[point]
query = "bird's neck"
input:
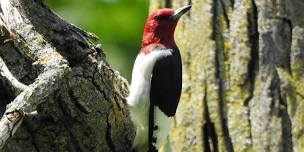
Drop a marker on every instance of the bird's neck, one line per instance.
(150, 41)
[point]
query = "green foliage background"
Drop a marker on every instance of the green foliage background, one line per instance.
(118, 23)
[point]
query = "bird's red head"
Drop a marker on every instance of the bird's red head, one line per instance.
(159, 28)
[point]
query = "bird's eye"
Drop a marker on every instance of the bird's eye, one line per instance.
(161, 17)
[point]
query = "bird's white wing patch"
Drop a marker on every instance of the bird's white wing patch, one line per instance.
(163, 123)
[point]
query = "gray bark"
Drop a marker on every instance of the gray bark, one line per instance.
(61, 93)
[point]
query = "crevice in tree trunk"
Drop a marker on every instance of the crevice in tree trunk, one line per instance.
(108, 135)
(209, 133)
(210, 136)
(286, 131)
(225, 13)
(287, 22)
(253, 36)
(74, 100)
(168, 4)
(287, 144)
(219, 47)
(286, 124)
(5, 98)
(279, 109)
(232, 3)
(253, 65)
(18, 63)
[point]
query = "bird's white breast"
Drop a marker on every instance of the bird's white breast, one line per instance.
(141, 75)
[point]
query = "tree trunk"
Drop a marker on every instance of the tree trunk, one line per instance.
(64, 94)
(243, 63)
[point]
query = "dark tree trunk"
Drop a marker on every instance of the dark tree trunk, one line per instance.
(62, 90)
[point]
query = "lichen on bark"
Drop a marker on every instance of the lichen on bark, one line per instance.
(242, 69)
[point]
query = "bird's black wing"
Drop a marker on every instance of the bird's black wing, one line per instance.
(166, 83)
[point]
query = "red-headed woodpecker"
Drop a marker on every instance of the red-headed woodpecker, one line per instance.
(156, 81)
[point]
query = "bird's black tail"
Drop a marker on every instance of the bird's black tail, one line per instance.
(152, 128)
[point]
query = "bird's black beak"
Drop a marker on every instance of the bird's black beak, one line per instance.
(179, 12)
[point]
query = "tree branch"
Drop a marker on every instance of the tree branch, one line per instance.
(55, 67)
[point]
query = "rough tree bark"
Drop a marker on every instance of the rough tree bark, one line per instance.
(60, 87)
(243, 66)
